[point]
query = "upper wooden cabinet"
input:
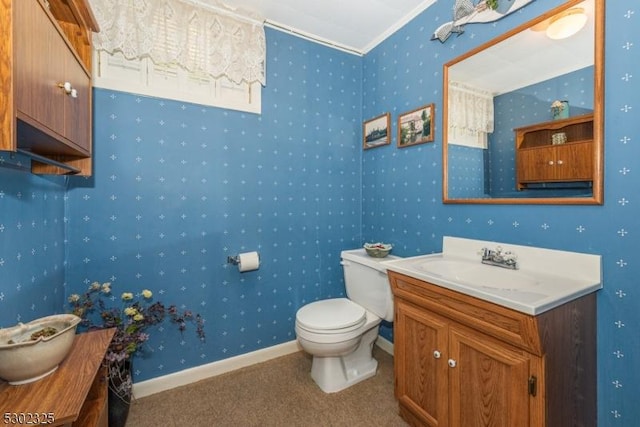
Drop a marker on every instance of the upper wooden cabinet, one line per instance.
(45, 63)
(569, 159)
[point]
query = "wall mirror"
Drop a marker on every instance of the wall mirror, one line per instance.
(503, 142)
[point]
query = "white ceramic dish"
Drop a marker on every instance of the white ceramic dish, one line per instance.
(378, 250)
(24, 360)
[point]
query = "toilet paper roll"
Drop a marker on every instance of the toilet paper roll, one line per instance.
(248, 261)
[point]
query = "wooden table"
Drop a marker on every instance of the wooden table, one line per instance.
(74, 395)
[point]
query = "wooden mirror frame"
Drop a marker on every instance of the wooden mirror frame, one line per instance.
(598, 113)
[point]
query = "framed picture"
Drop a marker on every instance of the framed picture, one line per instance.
(416, 126)
(377, 131)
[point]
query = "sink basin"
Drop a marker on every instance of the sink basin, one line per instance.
(546, 279)
(477, 274)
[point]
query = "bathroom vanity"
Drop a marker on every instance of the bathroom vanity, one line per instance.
(515, 354)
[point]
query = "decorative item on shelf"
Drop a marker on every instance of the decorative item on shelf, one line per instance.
(378, 250)
(132, 320)
(560, 110)
(558, 138)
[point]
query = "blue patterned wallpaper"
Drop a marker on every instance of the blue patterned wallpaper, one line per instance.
(32, 243)
(402, 188)
(470, 172)
(178, 187)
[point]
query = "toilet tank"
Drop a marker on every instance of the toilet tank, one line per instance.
(366, 282)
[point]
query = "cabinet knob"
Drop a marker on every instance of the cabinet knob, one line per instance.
(436, 354)
(550, 162)
(68, 89)
(452, 363)
(560, 162)
(66, 86)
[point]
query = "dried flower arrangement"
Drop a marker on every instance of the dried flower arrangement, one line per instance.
(132, 320)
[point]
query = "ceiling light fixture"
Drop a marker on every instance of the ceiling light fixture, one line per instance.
(566, 24)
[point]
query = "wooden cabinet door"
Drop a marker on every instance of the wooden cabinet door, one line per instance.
(39, 53)
(77, 111)
(488, 382)
(421, 370)
(574, 162)
(43, 63)
(568, 162)
(536, 164)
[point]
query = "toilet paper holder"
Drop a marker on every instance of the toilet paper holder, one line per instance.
(235, 259)
(249, 261)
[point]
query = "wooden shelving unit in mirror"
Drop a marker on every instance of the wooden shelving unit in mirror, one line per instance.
(557, 151)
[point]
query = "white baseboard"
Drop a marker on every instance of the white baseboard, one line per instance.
(385, 344)
(198, 373)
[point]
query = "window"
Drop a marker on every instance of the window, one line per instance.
(181, 49)
(143, 77)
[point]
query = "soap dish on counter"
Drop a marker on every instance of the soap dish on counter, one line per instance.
(377, 250)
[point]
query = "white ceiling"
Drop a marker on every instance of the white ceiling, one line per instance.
(528, 57)
(359, 25)
(353, 25)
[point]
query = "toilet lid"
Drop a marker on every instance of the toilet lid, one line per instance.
(337, 313)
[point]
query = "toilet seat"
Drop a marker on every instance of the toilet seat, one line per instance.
(331, 316)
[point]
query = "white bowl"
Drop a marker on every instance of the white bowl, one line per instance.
(23, 359)
(377, 250)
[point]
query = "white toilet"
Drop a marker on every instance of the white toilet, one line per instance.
(339, 333)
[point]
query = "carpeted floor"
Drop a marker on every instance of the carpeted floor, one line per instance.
(279, 393)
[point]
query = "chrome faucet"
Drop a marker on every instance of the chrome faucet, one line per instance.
(499, 258)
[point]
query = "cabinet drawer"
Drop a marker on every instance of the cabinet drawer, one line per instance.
(505, 324)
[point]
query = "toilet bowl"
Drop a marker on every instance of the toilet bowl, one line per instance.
(340, 332)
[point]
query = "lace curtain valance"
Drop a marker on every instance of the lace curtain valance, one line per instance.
(470, 115)
(196, 37)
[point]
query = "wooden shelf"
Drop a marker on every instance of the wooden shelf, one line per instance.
(578, 128)
(75, 394)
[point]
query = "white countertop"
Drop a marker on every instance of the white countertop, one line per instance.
(545, 279)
